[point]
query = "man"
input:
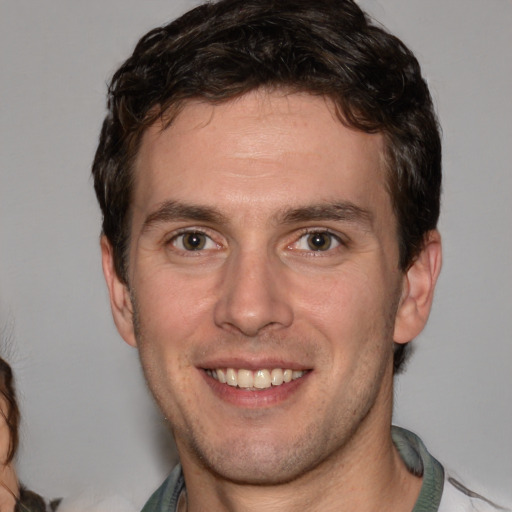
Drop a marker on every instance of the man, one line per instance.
(269, 174)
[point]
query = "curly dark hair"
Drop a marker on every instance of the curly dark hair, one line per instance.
(222, 50)
(10, 411)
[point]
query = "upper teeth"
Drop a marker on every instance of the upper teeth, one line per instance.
(259, 379)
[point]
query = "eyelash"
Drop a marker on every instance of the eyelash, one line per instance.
(172, 240)
(321, 231)
(333, 237)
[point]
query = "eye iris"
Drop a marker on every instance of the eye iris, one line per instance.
(194, 241)
(319, 241)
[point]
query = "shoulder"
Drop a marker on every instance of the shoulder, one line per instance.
(457, 497)
(165, 498)
(440, 491)
(33, 502)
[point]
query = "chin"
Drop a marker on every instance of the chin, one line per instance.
(258, 474)
(259, 461)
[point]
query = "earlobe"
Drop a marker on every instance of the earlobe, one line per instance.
(418, 290)
(120, 300)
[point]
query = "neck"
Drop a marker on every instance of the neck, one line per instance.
(365, 475)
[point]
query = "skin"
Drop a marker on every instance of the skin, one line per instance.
(8, 480)
(260, 177)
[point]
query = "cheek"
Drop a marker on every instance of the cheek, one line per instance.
(167, 319)
(342, 298)
(171, 306)
(353, 310)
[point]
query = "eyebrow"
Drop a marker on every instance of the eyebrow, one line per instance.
(338, 211)
(170, 211)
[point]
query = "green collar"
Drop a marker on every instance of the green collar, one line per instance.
(420, 463)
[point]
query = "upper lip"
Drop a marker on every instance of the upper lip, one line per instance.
(252, 363)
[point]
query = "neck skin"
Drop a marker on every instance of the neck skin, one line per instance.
(366, 474)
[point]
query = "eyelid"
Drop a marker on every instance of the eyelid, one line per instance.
(173, 236)
(219, 242)
(342, 241)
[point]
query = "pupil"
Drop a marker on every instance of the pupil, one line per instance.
(194, 241)
(319, 241)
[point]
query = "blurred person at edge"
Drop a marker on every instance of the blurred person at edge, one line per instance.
(15, 497)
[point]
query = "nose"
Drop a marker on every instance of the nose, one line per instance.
(253, 296)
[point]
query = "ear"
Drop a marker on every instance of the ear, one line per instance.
(120, 300)
(418, 290)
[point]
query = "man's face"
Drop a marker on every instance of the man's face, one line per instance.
(263, 246)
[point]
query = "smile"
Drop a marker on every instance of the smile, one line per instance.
(254, 380)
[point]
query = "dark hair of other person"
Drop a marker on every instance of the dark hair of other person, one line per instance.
(10, 412)
(330, 48)
(25, 500)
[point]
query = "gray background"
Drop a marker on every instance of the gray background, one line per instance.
(88, 420)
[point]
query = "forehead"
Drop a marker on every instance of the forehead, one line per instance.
(266, 149)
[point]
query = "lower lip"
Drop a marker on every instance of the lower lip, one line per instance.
(251, 399)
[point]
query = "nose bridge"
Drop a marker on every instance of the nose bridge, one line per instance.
(252, 294)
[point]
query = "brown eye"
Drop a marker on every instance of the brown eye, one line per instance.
(319, 241)
(192, 241)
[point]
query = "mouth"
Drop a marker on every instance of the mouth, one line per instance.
(254, 380)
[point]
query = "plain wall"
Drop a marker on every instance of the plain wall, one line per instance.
(87, 417)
